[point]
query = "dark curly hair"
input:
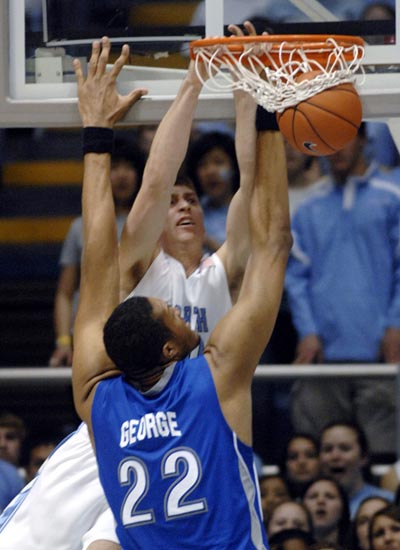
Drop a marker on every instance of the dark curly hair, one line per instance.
(134, 339)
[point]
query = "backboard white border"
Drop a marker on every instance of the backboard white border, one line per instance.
(22, 104)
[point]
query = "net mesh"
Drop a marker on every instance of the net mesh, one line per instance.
(271, 72)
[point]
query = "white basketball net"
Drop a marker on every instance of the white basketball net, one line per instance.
(274, 87)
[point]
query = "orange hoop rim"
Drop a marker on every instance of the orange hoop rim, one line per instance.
(312, 42)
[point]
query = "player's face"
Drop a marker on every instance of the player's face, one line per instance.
(10, 444)
(215, 173)
(324, 502)
(340, 455)
(302, 462)
(385, 534)
(184, 337)
(124, 182)
(185, 219)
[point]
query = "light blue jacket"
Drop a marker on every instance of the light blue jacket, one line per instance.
(343, 276)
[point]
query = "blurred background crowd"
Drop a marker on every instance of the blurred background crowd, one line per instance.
(319, 443)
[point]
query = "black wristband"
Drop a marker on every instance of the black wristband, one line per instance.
(265, 120)
(97, 140)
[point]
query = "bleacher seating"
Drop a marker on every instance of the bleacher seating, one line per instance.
(40, 196)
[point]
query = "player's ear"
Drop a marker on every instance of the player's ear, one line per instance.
(170, 350)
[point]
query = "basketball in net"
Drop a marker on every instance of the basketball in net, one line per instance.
(324, 123)
(305, 79)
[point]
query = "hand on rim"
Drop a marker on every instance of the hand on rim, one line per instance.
(255, 48)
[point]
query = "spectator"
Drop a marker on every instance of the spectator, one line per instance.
(289, 515)
(10, 483)
(212, 166)
(126, 175)
(380, 142)
(145, 135)
(379, 11)
(367, 508)
(300, 463)
(344, 294)
(304, 171)
(344, 456)
(12, 436)
(273, 490)
(38, 453)
(291, 539)
(385, 529)
(329, 508)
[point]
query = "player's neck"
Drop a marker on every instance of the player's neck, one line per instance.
(148, 382)
(189, 254)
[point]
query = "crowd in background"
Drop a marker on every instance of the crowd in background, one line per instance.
(323, 494)
(341, 305)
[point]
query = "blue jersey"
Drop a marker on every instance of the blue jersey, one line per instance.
(175, 474)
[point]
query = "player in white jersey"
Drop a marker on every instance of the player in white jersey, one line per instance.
(202, 298)
(169, 216)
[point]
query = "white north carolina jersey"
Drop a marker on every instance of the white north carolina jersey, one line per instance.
(60, 504)
(65, 504)
(203, 297)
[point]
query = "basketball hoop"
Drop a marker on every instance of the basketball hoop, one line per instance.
(270, 67)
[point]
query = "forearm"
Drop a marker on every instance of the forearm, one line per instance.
(62, 315)
(62, 353)
(245, 139)
(237, 247)
(269, 207)
(170, 143)
(99, 225)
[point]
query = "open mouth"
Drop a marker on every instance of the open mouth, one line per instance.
(185, 223)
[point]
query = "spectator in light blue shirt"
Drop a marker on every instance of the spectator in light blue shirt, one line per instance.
(343, 285)
(10, 483)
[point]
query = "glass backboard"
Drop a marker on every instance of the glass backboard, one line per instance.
(37, 85)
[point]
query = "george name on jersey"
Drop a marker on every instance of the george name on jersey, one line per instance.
(160, 424)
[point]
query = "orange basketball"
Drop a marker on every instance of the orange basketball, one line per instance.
(323, 123)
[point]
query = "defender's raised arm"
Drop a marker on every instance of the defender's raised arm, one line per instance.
(100, 107)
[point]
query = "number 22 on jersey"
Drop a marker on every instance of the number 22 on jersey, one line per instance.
(183, 466)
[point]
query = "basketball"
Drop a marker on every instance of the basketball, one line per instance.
(323, 123)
